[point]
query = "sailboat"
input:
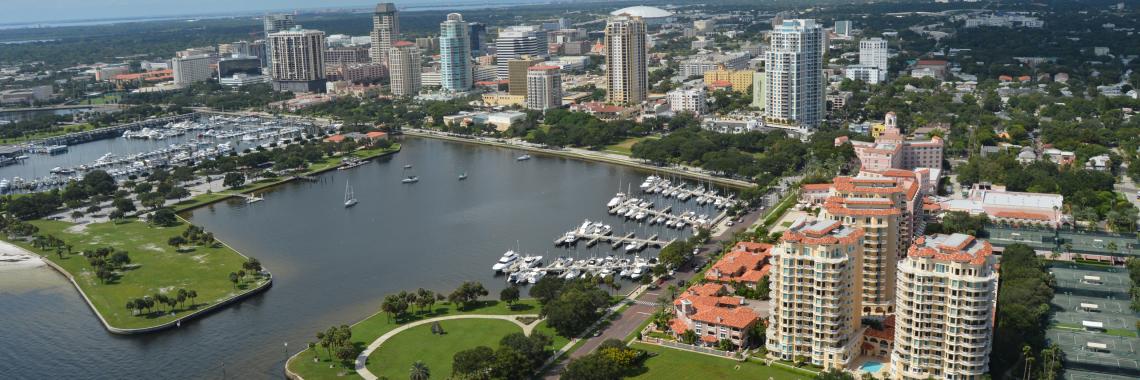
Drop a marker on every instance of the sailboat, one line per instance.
(349, 198)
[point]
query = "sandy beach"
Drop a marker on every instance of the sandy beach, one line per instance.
(13, 257)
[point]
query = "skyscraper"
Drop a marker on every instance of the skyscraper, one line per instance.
(794, 87)
(298, 60)
(516, 41)
(517, 73)
(187, 70)
(625, 51)
(404, 68)
(843, 28)
(478, 33)
(947, 292)
(455, 54)
(815, 293)
(543, 88)
(385, 29)
(873, 52)
(273, 23)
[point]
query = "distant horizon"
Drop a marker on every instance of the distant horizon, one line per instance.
(31, 13)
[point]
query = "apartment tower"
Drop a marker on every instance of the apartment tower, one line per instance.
(385, 30)
(625, 51)
(794, 87)
(298, 60)
(404, 68)
(543, 87)
(455, 54)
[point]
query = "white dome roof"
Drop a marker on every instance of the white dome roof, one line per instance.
(643, 12)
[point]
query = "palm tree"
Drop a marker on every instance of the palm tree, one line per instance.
(390, 306)
(419, 371)
(1026, 351)
(192, 294)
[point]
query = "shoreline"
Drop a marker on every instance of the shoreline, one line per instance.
(12, 257)
(177, 322)
(568, 153)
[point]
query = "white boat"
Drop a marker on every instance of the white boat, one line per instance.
(569, 238)
(254, 199)
(616, 200)
(523, 157)
(505, 261)
(410, 179)
(463, 176)
(349, 198)
(630, 247)
(408, 166)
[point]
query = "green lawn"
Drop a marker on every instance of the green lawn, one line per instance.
(625, 147)
(676, 364)
(158, 268)
(367, 330)
(63, 130)
(559, 340)
(395, 357)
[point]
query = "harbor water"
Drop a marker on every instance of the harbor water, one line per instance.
(333, 265)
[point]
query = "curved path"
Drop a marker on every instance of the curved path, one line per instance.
(361, 360)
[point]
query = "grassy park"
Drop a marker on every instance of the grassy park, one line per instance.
(367, 330)
(626, 146)
(155, 267)
(395, 357)
(677, 364)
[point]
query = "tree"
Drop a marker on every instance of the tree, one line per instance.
(234, 279)
(689, 337)
(467, 293)
(132, 306)
(391, 306)
(192, 294)
(164, 217)
(116, 215)
(424, 298)
(509, 295)
(419, 371)
(474, 363)
(176, 241)
(547, 289)
(233, 180)
(576, 308)
(834, 374)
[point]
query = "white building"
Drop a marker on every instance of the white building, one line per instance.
(298, 60)
(273, 23)
(946, 296)
(385, 30)
(688, 100)
(543, 87)
(404, 68)
(699, 64)
(517, 41)
(866, 73)
(794, 87)
(873, 52)
(455, 54)
(191, 69)
(241, 79)
(626, 54)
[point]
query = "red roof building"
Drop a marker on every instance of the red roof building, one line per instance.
(709, 311)
(746, 264)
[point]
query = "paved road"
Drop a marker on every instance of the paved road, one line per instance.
(361, 360)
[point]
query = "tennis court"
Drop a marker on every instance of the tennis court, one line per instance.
(1093, 324)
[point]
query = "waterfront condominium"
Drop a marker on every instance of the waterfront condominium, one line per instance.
(519, 41)
(815, 293)
(882, 207)
(794, 87)
(273, 23)
(454, 54)
(543, 87)
(947, 292)
(404, 68)
(188, 70)
(625, 51)
(385, 30)
(298, 60)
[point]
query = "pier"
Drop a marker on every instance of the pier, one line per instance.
(681, 192)
(112, 131)
(642, 211)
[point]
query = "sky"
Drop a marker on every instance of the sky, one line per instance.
(31, 11)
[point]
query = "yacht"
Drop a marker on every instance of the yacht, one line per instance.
(349, 198)
(616, 200)
(463, 176)
(505, 261)
(523, 157)
(408, 166)
(570, 238)
(410, 179)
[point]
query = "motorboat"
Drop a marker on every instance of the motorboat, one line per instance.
(410, 179)
(463, 176)
(616, 200)
(408, 166)
(505, 261)
(523, 157)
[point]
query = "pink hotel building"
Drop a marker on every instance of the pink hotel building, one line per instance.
(893, 151)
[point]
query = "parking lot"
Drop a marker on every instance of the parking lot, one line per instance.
(1093, 324)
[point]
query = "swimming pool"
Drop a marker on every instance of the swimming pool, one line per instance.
(871, 366)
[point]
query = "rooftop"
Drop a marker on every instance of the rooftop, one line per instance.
(643, 12)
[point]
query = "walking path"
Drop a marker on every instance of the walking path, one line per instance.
(361, 360)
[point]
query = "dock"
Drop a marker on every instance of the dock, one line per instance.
(643, 211)
(681, 192)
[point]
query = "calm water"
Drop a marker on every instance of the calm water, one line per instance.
(332, 265)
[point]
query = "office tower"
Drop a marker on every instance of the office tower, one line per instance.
(843, 28)
(883, 207)
(543, 88)
(404, 68)
(187, 70)
(873, 52)
(517, 41)
(692, 100)
(478, 33)
(257, 49)
(455, 54)
(517, 73)
(947, 292)
(342, 55)
(625, 51)
(273, 23)
(238, 64)
(385, 29)
(298, 60)
(815, 293)
(794, 87)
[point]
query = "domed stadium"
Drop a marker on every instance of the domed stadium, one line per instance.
(652, 15)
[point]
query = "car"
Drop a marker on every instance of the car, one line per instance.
(598, 333)
(729, 223)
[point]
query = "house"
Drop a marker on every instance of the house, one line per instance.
(1099, 163)
(746, 264)
(879, 341)
(713, 315)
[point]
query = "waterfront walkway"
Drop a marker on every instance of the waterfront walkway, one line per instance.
(362, 360)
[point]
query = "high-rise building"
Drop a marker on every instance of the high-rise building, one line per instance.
(238, 64)
(455, 54)
(843, 28)
(187, 70)
(385, 29)
(517, 73)
(517, 41)
(947, 294)
(478, 33)
(273, 23)
(298, 60)
(404, 68)
(693, 100)
(873, 52)
(543, 87)
(758, 93)
(815, 293)
(346, 55)
(794, 87)
(626, 54)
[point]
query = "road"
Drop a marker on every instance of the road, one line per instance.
(643, 306)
